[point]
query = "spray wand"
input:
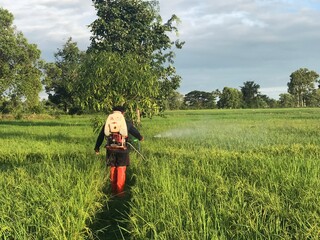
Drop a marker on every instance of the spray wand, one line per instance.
(137, 151)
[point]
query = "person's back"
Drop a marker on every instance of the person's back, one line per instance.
(117, 157)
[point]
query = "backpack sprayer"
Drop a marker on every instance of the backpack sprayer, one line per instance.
(116, 142)
(116, 132)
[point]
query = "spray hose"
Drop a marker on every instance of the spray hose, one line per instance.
(136, 149)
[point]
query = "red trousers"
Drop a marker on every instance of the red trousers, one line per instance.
(118, 179)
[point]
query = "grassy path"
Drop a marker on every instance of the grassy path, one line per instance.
(112, 221)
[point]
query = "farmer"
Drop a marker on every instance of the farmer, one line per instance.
(118, 160)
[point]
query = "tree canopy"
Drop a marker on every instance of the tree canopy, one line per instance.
(135, 27)
(109, 79)
(230, 98)
(62, 76)
(302, 84)
(19, 62)
(250, 91)
(199, 99)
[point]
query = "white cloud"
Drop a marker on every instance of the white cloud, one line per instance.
(50, 23)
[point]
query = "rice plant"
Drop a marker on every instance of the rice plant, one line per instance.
(203, 174)
(229, 174)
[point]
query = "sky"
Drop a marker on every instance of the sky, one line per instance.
(227, 42)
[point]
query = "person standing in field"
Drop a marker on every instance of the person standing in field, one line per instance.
(117, 154)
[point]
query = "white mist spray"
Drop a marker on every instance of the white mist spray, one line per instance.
(177, 133)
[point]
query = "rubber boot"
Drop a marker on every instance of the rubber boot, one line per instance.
(113, 180)
(121, 180)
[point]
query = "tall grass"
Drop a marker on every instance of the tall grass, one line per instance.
(210, 174)
(50, 181)
(229, 175)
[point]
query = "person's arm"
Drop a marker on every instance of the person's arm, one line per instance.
(133, 131)
(99, 140)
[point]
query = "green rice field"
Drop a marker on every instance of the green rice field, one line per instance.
(202, 174)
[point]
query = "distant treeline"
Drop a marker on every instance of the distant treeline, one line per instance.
(126, 64)
(303, 91)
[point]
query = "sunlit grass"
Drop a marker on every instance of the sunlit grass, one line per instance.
(207, 174)
(50, 181)
(230, 175)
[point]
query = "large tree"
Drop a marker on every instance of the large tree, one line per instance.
(135, 27)
(286, 100)
(230, 98)
(175, 101)
(109, 79)
(199, 100)
(19, 63)
(250, 92)
(62, 76)
(302, 84)
(313, 98)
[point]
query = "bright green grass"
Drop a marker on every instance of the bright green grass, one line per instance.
(210, 174)
(229, 174)
(50, 180)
